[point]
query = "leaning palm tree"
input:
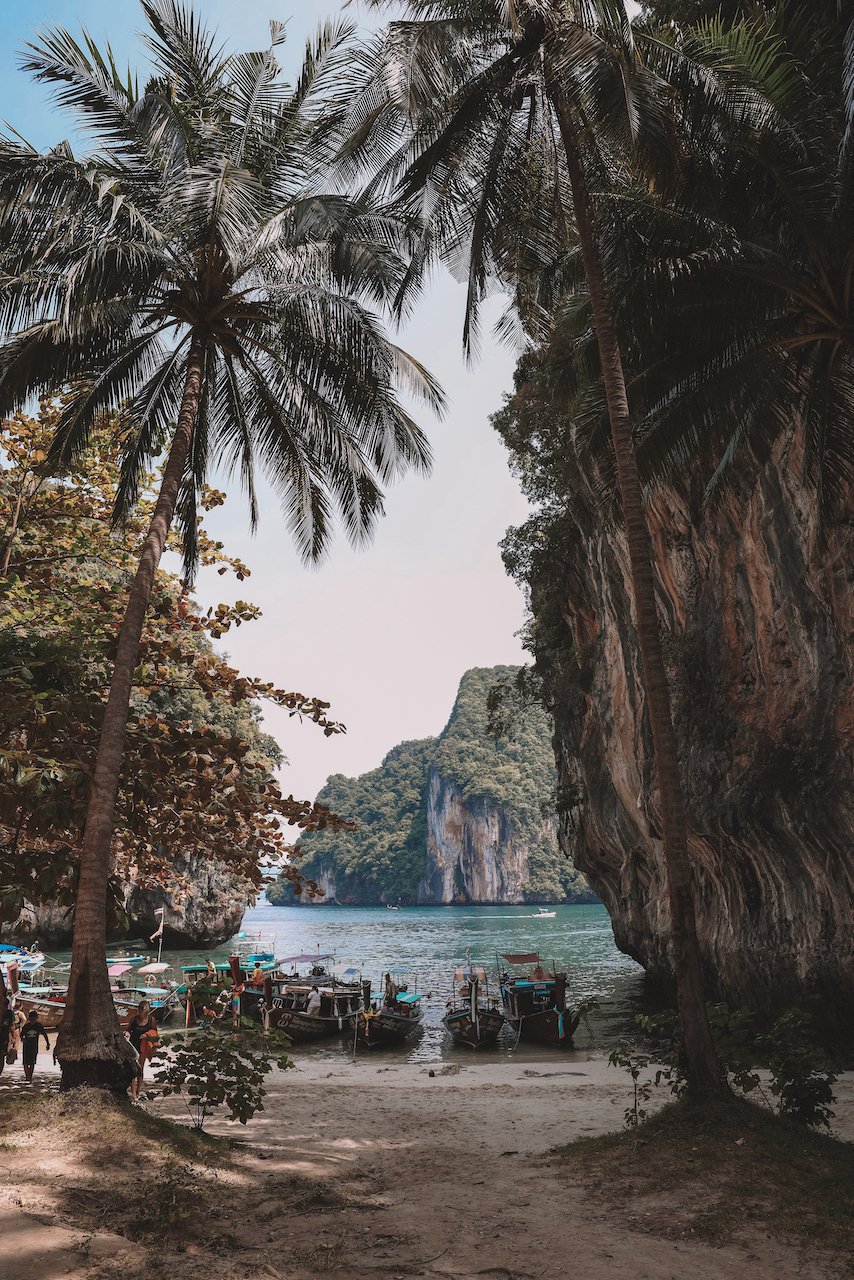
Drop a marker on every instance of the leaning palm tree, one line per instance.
(193, 274)
(499, 120)
(742, 323)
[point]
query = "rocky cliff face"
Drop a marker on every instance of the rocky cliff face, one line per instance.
(458, 818)
(203, 912)
(203, 908)
(474, 852)
(758, 618)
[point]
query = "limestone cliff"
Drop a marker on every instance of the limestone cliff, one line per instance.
(758, 629)
(204, 904)
(458, 818)
(475, 852)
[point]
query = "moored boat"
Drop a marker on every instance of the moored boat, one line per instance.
(534, 1000)
(473, 1018)
(312, 1001)
(27, 960)
(49, 1003)
(395, 1018)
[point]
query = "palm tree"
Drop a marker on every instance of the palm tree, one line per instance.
(193, 271)
(511, 113)
(742, 323)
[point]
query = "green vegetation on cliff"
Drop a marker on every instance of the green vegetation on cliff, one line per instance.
(384, 859)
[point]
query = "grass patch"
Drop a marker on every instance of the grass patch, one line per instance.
(125, 1171)
(93, 1121)
(715, 1175)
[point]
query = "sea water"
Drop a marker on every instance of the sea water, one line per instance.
(429, 941)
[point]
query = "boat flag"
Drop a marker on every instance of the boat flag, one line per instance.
(158, 932)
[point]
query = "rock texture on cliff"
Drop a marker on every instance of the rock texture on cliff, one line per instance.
(205, 905)
(458, 818)
(758, 628)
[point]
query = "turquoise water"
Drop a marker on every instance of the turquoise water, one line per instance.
(429, 941)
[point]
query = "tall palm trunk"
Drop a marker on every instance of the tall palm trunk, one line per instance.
(702, 1070)
(92, 1049)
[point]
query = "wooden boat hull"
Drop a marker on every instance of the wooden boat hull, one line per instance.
(547, 1027)
(386, 1028)
(51, 1009)
(299, 1026)
(475, 1035)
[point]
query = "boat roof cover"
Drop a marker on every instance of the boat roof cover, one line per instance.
(158, 967)
(304, 959)
(466, 975)
(346, 970)
(116, 970)
(521, 957)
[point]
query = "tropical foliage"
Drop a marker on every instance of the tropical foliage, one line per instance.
(384, 858)
(213, 1069)
(197, 214)
(198, 772)
(193, 276)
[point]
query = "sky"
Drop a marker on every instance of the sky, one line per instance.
(384, 633)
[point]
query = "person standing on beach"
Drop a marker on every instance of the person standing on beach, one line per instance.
(7, 1019)
(143, 1035)
(31, 1033)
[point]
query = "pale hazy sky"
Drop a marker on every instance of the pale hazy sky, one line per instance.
(384, 633)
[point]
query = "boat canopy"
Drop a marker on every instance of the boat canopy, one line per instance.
(476, 973)
(312, 959)
(116, 970)
(408, 998)
(158, 967)
(522, 957)
(346, 970)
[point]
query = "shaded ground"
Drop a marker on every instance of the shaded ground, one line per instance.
(382, 1171)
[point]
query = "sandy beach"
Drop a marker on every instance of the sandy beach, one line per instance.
(375, 1169)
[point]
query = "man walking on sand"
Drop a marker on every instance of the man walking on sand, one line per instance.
(31, 1032)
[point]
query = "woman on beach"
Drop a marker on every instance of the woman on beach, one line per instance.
(143, 1035)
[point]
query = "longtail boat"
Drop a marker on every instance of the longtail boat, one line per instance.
(534, 1000)
(473, 1018)
(27, 960)
(49, 1003)
(395, 1018)
(287, 997)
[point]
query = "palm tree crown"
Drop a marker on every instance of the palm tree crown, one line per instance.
(740, 323)
(200, 211)
(462, 101)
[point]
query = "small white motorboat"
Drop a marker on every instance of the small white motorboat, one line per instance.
(542, 914)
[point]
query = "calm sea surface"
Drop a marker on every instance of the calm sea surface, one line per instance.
(429, 941)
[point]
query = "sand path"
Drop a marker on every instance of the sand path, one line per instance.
(433, 1177)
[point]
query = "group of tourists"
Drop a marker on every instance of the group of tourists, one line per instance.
(20, 1035)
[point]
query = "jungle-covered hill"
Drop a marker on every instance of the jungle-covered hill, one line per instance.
(463, 817)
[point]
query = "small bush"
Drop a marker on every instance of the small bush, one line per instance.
(213, 1070)
(801, 1078)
